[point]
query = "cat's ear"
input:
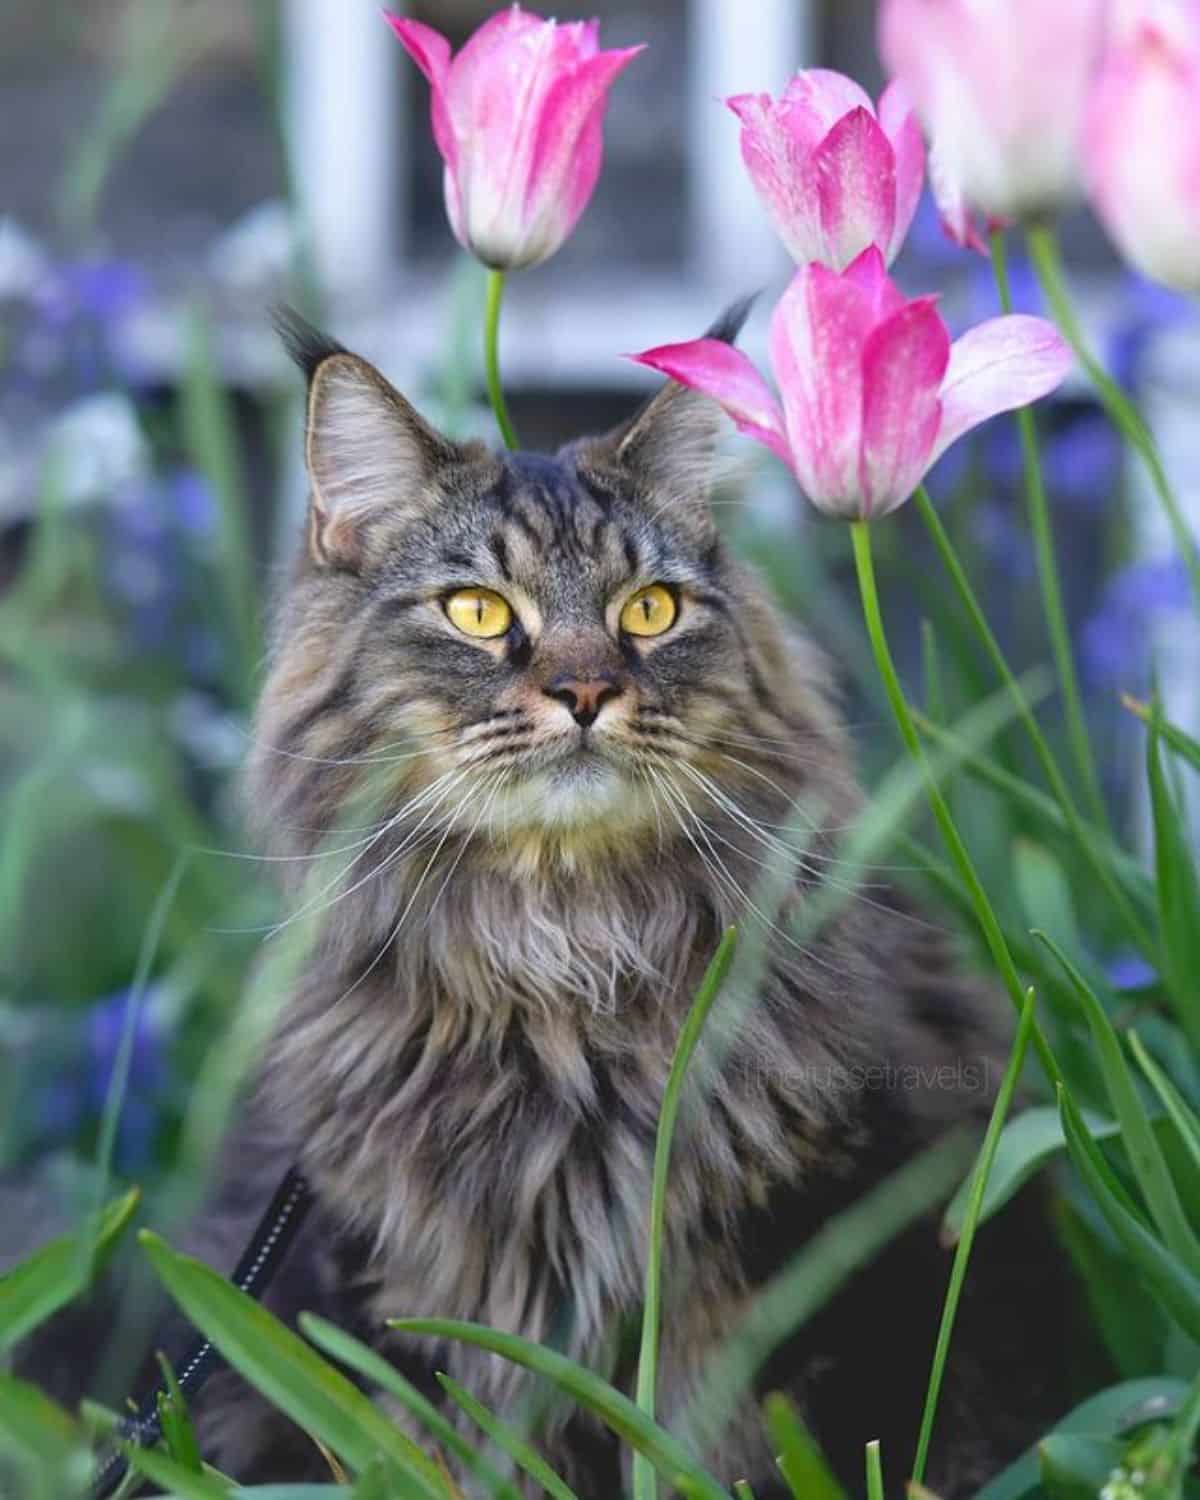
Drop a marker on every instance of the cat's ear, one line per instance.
(670, 446)
(367, 449)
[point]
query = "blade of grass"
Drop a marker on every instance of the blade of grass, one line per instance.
(1146, 1158)
(834, 1253)
(37, 1287)
(645, 1482)
(962, 1254)
(1171, 734)
(874, 1471)
(1178, 891)
(984, 913)
(522, 1453)
(286, 1370)
(175, 1478)
(1038, 512)
(1182, 1116)
(210, 435)
(801, 1462)
(669, 1456)
(1137, 931)
(357, 1356)
(1047, 264)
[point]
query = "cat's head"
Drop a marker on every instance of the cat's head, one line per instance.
(545, 654)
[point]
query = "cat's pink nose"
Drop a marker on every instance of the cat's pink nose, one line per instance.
(584, 699)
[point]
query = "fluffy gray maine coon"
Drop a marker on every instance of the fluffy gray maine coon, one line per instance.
(570, 726)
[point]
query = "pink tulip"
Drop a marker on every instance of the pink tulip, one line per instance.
(833, 175)
(1001, 86)
(518, 117)
(872, 391)
(1142, 140)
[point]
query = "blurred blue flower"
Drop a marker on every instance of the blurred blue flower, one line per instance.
(1003, 538)
(1145, 310)
(1114, 639)
(1083, 461)
(96, 290)
(984, 297)
(1130, 971)
(75, 1100)
(192, 501)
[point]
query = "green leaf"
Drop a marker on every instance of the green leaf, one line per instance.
(617, 1412)
(1075, 1467)
(50, 1278)
(1178, 892)
(645, 1485)
(522, 1454)
(1149, 1165)
(801, 1462)
(1108, 1414)
(286, 1370)
(1129, 1320)
(1178, 1290)
(37, 1431)
(1026, 1144)
(357, 1356)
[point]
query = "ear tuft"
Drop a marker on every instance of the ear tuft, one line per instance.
(307, 347)
(731, 322)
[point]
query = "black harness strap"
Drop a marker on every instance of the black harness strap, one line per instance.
(260, 1260)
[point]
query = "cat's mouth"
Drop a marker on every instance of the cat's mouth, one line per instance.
(570, 784)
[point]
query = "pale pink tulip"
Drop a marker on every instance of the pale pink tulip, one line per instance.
(1142, 139)
(871, 390)
(833, 175)
(518, 117)
(1001, 87)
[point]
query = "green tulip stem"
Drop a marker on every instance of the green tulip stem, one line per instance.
(989, 924)
(491, 358)
(1047, 566)
(1047, 264)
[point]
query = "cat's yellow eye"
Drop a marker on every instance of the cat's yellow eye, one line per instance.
(651, 611)
(479, 612)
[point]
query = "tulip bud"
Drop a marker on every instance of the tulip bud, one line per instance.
(518, 118)
(833, 175)
(1001, 87)
(1142, 140)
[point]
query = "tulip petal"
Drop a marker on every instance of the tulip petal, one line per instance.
(903, 364)
(568, 147)
(901, 126)
(855, 172)
(818, 332)
(869, 274)
(776, 157)
(717, 369)
(816, 99)
(958, 220)
(430, 50)
(999, 365)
